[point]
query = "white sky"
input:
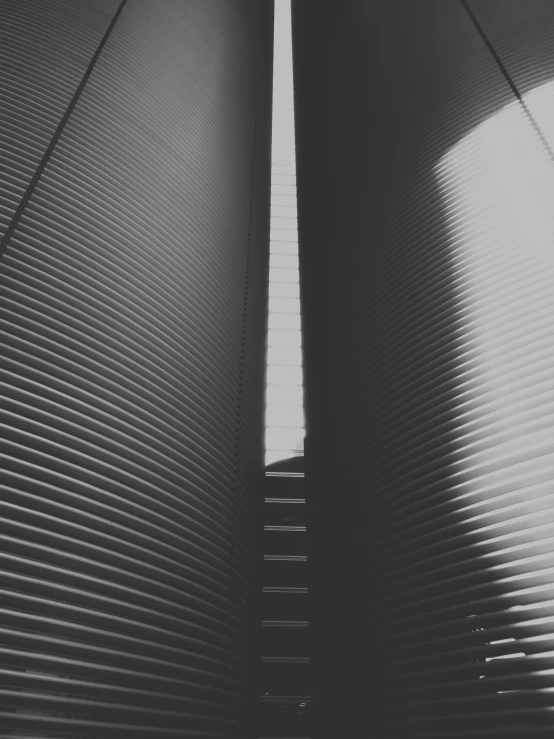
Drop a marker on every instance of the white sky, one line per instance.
(284, 400)
(283, 110)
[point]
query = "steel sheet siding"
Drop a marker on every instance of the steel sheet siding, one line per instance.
(427, 317)
(521, 35)
(45, 49)
(131, 389)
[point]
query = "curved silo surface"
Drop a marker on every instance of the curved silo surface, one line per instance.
(132, 326)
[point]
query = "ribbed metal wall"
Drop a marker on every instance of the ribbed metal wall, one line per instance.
(45, 49)
(133, 319)
(425, 190)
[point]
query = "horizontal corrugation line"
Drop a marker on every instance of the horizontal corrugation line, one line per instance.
(45, 50)
(446, 233)
(132, 336)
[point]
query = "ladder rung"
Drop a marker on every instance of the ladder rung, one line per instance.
(284, 589)
(283, 624)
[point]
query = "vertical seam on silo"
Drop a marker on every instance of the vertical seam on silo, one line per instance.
(509, 79)
(47, 154)
(244, 330)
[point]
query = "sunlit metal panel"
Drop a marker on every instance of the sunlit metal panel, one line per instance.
(425, 190)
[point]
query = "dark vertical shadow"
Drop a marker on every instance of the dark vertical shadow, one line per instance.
(403, 608)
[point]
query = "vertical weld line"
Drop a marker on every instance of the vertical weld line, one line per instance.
(44, 161)
(509, 79)
(241, 371)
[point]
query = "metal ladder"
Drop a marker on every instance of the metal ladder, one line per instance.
(285, 669)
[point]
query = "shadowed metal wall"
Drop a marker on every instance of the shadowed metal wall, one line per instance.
(425, 184)
(45, 49)
(133, 276)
